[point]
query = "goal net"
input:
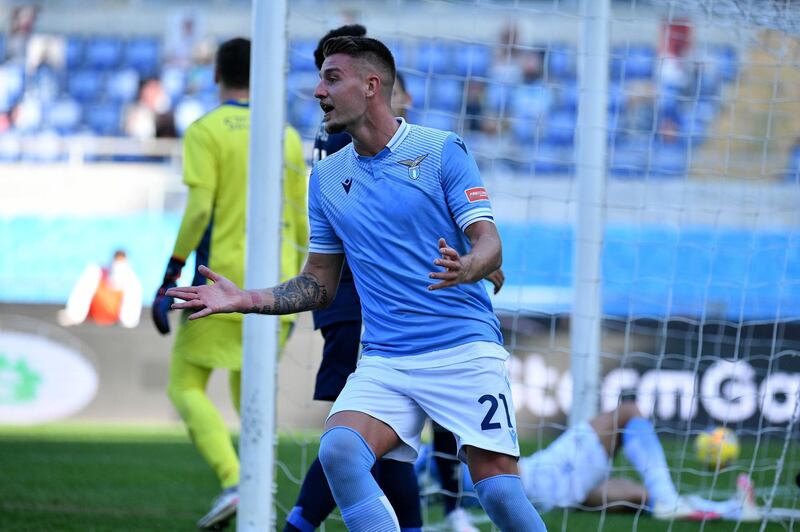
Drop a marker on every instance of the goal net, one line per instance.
(699, 286)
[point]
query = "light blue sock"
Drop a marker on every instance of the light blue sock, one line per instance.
(642, 448)
(503, 498)
(347, 460)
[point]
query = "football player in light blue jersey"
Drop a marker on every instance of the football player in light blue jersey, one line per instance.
(399, 199)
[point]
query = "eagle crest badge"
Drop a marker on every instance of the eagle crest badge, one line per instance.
(413, 166)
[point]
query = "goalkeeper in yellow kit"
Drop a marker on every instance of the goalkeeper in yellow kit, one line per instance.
(213, 226)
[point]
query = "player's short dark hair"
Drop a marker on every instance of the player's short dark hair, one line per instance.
(233, 63)
(351, 30)
(366, 48)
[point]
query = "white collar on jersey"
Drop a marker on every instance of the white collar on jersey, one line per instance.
(399, 135)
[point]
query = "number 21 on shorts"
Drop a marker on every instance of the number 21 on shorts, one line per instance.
(488, 423)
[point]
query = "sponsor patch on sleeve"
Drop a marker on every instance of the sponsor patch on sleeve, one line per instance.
(476, 194)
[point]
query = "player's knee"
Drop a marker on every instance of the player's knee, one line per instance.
(343, 450)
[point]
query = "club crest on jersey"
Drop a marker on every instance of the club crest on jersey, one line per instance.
(413, 166)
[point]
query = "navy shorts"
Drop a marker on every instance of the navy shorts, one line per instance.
(339, 358)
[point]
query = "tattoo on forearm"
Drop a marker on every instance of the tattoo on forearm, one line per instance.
(303, 292)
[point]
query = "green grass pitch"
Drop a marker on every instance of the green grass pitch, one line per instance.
(84, 478)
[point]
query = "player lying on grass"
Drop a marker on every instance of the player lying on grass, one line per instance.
(575, 472)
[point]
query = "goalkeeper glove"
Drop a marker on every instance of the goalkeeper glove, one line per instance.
(162, 302)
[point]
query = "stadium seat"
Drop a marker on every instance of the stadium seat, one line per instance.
(103, 53)
(530, 100)
(446, 94)
(46, 83)
(10, 147)
(103, 119)
(561, 62)
(627, 158)
(472, 60)
(498, 98)
(416, 87)
(669, 159)
(74, 53)
(632, 62)
(552, 159)
(64, 116)
(173, 80)
(122, 86)
(525, 130)
(433, 57)
(2, 47)
(792, 172)
(142, 54)
(200, 79)
(439, 120)
(84, 85)
(403, 52)
(560, 129)
(44, 147)
(12, 83)
(30, 115)
(301, 55)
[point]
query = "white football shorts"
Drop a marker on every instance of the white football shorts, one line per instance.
(562, 474)
(471, 398)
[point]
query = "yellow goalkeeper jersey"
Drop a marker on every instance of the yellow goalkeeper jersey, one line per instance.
(215, 165)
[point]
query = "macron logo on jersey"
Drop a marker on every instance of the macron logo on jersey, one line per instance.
(347, 184)
(476, 194)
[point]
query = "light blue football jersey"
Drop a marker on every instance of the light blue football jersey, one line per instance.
(387, 213)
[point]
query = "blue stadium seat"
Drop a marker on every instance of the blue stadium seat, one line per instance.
(446, 94)
(631, 62)
(302, 83)
(200, 79)
(305, 115)
(64, 116)
(30, 114)
(142, 54)
(561, 62)
(122, 86)
(627, 158)
(12, 84)
(403, 52)
(439, 120)
(44, 147)
(85, 85)
(792, 172)
(74, 52)
(10, 147)
(433, 57)
(669, 159)
(2, 47)
(531, 100)
(552, 159)
(416, 87)
(472, 60)
(103, 53)
(560, 129)
(187, 111)
(173, 80)
(525, 130)
(301, 55)
(498, 97)
(103, 119)
(46, 83)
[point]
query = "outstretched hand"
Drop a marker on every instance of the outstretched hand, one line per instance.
(221, 297)
(457, 268)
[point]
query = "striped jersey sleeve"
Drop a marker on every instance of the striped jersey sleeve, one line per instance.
(323, 238)
(462, 184)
